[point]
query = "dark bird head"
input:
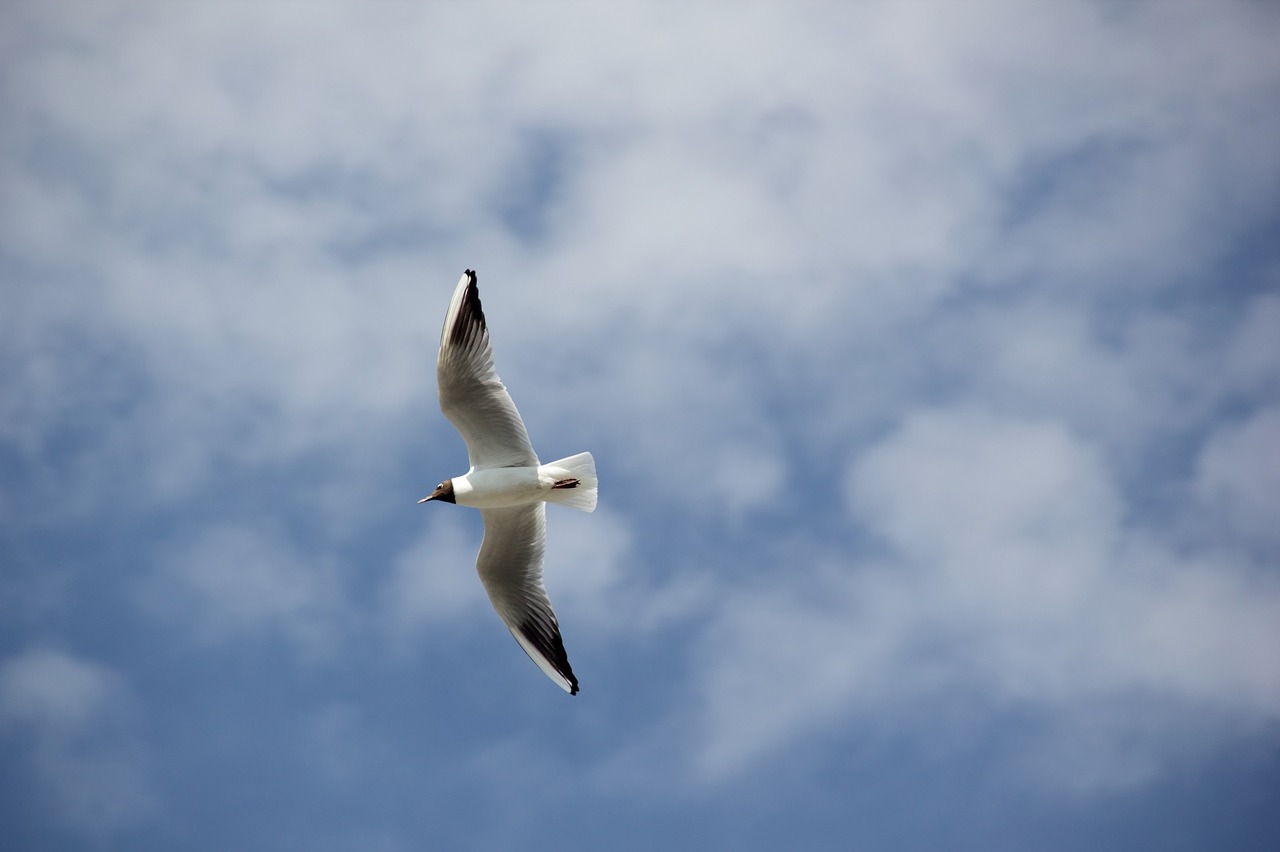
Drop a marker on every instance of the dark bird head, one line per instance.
(444, 491)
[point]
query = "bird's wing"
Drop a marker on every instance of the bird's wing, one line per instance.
(510, 566)
(471, 394)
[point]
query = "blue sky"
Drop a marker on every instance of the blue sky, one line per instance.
(929, 353)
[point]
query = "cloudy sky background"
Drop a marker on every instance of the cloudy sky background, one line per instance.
(929, 353)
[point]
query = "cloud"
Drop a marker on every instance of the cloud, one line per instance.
(1238, 478)
(928, 357)
(56, 690)
(75, 720)
(1007, 577)
(272, 265)
(590, 574)
(1252, 358)
(229, 583)
(955, 485)
(595, 575)
(433, 581)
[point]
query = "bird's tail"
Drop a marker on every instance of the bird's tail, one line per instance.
(580, 469)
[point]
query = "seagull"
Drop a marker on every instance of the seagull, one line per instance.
(506, 483)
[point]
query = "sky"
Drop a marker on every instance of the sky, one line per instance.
(929, 354)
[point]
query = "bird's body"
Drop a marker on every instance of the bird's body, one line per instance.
(506, 483)
(500, 487)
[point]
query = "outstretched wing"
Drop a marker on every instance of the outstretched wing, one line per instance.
(510, 566)
(471, 394)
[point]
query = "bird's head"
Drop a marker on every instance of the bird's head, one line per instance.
(444, 491)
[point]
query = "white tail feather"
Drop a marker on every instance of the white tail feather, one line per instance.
(581, 467)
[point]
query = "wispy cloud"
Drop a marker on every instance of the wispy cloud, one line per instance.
(75, 727)
(929, 358)
(226, 582)
(1238, 478)
(1005, 575)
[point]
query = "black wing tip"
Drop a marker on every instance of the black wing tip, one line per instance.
(549, 643)
(470, 315)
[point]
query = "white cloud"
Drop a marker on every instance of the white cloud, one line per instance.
(766, 239)
(1238, 479)
(75, 721)
(433, 581)
(1008, 574)
(738, 187)
(744, 477)
(56, 690)
(589, 572)
(1013, 517)
(600, 587)
(1252, 359)
(585, 561)
(228, 583)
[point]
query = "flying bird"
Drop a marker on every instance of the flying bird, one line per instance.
(506, 483)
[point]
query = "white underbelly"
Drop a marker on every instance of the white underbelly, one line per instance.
(498, 487)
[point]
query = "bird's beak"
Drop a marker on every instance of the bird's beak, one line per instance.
(425, 499)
